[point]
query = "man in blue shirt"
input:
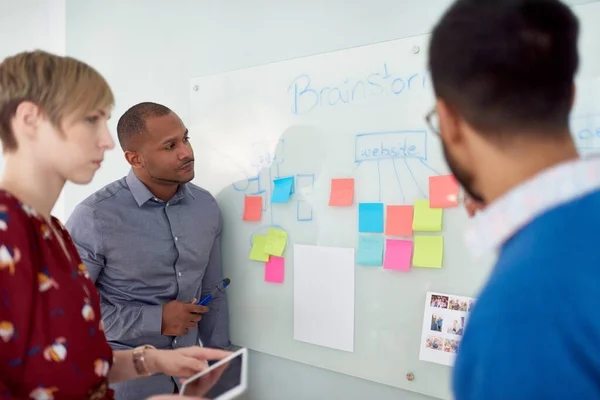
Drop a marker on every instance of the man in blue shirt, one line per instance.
(151, 242)
(503, 75)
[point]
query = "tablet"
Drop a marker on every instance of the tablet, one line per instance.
(224, 380)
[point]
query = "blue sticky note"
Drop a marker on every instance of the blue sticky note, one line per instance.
(370, 217)
(370, 251)
(283, 188)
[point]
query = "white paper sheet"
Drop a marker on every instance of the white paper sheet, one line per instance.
(324, 296)
(444, 322)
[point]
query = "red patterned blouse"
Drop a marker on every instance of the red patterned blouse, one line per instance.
(52, 344)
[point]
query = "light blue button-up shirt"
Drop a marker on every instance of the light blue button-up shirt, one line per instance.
(143, 253)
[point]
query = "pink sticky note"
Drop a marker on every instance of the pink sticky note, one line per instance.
(398, 255)
(443, 191)
(274, 269)
(342, 192)
(252, 208)
(399, 221)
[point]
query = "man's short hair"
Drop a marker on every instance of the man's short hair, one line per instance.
(60, 86)
(133, 123)
(507, 66)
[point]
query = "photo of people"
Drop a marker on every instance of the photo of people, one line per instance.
(451, 345)
(458, 304)
(445, 320)
(436, 322)
(439, 301)
(434, 343)
(456, 325)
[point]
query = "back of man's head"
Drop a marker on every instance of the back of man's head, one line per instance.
(507, 66)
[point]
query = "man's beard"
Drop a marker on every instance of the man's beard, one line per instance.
(462, 176)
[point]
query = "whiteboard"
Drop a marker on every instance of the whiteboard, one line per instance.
(327, 116)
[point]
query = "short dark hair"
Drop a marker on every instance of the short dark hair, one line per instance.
(507, 65)
(133, 122)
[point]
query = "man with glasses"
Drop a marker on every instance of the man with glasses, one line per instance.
(472, 205)
(503, 75)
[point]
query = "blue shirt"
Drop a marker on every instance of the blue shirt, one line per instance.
(534, 332)
(143, 253)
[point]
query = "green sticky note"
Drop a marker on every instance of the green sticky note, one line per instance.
(425, 218)
(428, 251)
(258, 252)
(276, 241)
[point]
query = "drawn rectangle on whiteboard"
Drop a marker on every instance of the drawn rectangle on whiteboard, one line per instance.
(305, 184)
(377, 146)
(304, 211)
(324, 312)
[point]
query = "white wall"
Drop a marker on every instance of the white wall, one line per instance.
(32, 25)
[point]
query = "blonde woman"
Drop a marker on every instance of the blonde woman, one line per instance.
(53, 128)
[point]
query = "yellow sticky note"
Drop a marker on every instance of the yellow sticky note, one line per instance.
(425, 218)
(428, 251)
(258, 252)
(276, 241)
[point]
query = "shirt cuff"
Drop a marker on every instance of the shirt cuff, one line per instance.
(152, 320)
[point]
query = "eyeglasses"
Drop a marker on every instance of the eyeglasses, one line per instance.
(433, 122)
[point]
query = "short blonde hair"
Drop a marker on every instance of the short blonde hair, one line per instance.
(60, 86)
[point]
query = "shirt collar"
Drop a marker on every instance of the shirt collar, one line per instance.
(142, 194)
(506, 216)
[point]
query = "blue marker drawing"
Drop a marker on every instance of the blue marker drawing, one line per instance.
(411, 78)
(304, 212)
(306, 96)
(270, 193)
(305, 183)
(431, 169)
(586, 131)
(398, 179)
(376, 146)
(414, 179)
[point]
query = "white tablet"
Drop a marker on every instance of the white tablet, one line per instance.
(224, 380)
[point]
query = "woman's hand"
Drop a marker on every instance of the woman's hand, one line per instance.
(183, 362)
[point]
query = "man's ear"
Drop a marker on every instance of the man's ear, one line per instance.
(450, 131)
(26, 120)
(134, 159)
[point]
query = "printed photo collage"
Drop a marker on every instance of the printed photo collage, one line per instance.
(444, 322)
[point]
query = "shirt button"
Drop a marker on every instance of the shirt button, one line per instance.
(180, 274)
(167, 204)
(175, 341)
(176, 238)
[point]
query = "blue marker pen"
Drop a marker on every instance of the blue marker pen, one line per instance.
(220, 288)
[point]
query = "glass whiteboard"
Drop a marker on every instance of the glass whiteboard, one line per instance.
(355, 113)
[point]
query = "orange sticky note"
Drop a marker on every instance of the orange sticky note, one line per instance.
(399, 221)
(274, 269)
(252, 208)
(342, 192)
(443, 191)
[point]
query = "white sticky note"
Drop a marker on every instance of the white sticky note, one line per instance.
(324, 296)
